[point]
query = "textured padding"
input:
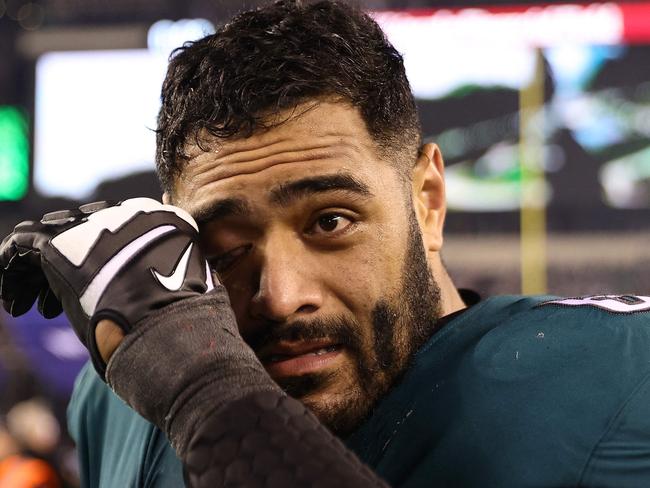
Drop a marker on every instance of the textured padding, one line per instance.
(271, 440)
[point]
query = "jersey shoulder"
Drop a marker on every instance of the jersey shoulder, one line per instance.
(545, 378)
(588, 334)
(102, 424)
(592, 314)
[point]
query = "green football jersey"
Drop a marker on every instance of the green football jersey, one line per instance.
(514, 392)
(522, 392)
(117, 447)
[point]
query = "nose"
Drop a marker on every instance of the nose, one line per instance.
(288, 283)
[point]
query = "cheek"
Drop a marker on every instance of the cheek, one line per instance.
(362, 276)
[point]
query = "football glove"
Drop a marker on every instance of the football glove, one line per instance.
(103, 261)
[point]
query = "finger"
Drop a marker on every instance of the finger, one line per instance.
(27, 239)
(21, 270)
(20, 304)
(21, 280)
(8, 306)
(108, 335)
(18, 256)
(93, 207)
(20, 227)
(48, 304)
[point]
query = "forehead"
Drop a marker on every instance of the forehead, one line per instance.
(315, 138)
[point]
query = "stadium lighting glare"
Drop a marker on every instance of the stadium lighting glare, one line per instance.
(166, 35)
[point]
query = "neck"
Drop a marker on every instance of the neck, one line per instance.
(450, 300)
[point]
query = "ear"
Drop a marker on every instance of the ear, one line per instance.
(429, 195)
(166, 199)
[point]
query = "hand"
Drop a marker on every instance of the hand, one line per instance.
(103, 262)
(108, 336)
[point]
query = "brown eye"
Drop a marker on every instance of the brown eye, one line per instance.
(331, 223)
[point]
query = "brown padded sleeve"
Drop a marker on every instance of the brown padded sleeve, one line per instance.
(269, 440)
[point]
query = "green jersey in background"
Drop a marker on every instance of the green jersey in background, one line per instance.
(116, 447)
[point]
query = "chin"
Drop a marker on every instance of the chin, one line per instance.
(341, 409)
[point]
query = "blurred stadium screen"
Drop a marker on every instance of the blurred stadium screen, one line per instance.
(14, 153)
(95, 114)
(466, 66)
(95, 111)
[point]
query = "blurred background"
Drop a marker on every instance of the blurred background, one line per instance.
(541, 110)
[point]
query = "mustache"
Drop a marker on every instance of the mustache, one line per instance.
(336, 329)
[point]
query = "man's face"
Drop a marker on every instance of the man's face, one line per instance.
(315, 240)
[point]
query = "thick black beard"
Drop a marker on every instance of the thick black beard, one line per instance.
(422, 293)
(400, 327)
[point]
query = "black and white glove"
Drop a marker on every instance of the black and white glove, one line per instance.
(102, 261)
(138, 264)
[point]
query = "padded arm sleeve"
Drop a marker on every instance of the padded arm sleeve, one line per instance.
(271, 440)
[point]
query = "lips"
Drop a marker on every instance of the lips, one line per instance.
(295, 358)
(277, 357)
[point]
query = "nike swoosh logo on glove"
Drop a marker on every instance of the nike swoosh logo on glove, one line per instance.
(175, 280)
(90, 297)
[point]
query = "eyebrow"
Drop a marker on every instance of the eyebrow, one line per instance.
(283, 195)
(227, 207)
(286, 193)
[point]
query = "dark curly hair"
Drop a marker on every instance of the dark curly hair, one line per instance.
(272, 59)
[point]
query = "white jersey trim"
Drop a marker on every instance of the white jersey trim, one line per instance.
(613, 303)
